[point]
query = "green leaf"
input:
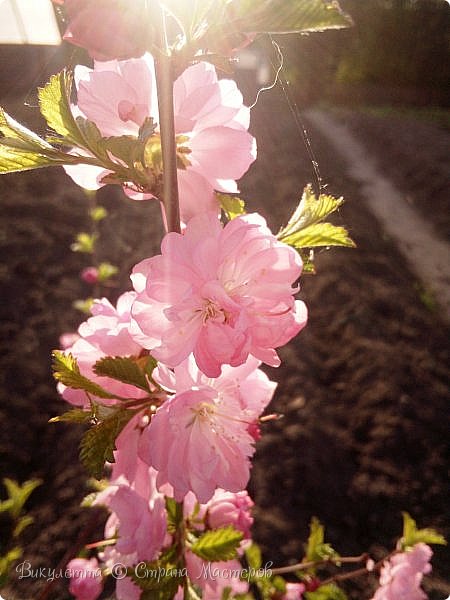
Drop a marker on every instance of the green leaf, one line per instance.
(232, 206)
(66, 370)
(84, 242)
(21, 149)
(22, 524)
(218, 544)
(123, 147)
(6, 562)
(149, 364)
(98, 213)
(219, 26)
(320, 235)
(122, 368)
(75, 415)
(106, 271)
(54, 102)
(91, 138)
(253, 556)
(174, 514)
(310, 210)
(412, 535)
(98, 443)
(19, 494)
(84, 306)
(316, 547)
(15, 161)
(326, 592)
(279, 16)
(160, 578)
(19, 136)
(306, 229)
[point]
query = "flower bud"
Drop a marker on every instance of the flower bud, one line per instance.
(89, 275)
(86, 581)
(228, 508)
(108, 29)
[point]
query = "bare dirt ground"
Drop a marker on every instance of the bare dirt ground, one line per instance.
(363, 390)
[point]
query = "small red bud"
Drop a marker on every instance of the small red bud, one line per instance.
(90, 275)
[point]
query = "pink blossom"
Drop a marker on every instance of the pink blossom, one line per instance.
(199, 440)
(138, 514)
(86, 582)
(221, 293)
(197, 443)
(107, 28)
(106, 333)
(126, 589)
(214, 577)
(211, 125)
(402, 574)
(227, 508)
(68, 339)
(294, 591)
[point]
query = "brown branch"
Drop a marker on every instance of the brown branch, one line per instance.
(302, 566)
(164, 85)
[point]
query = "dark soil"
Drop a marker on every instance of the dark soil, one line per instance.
(363, 389)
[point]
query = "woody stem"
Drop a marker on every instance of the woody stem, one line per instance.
(164, 84)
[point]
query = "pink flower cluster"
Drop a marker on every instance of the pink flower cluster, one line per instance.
(231, 286)
(215, 304)
(401, 576)
(211, 124)
(222, 293)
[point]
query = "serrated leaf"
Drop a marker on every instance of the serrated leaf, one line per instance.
(316, 547)
(11, 129)
(15, 161)
(279, 16)
(320, 235)
(89, 500)
(327, 592)
(122, 368)
(310, 210)
(253, 556)
(66, 370)
(21, 149)
(220, 26)
(19, 494)
(54, 103)
(306, 229)
(98, 443)
(162, 576)
(412, 535)
(75, 415)
(174, 511)
(232, 206)
(218, 544)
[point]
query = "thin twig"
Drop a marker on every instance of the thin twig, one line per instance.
(302, 566)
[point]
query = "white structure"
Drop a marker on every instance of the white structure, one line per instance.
(28, 22)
